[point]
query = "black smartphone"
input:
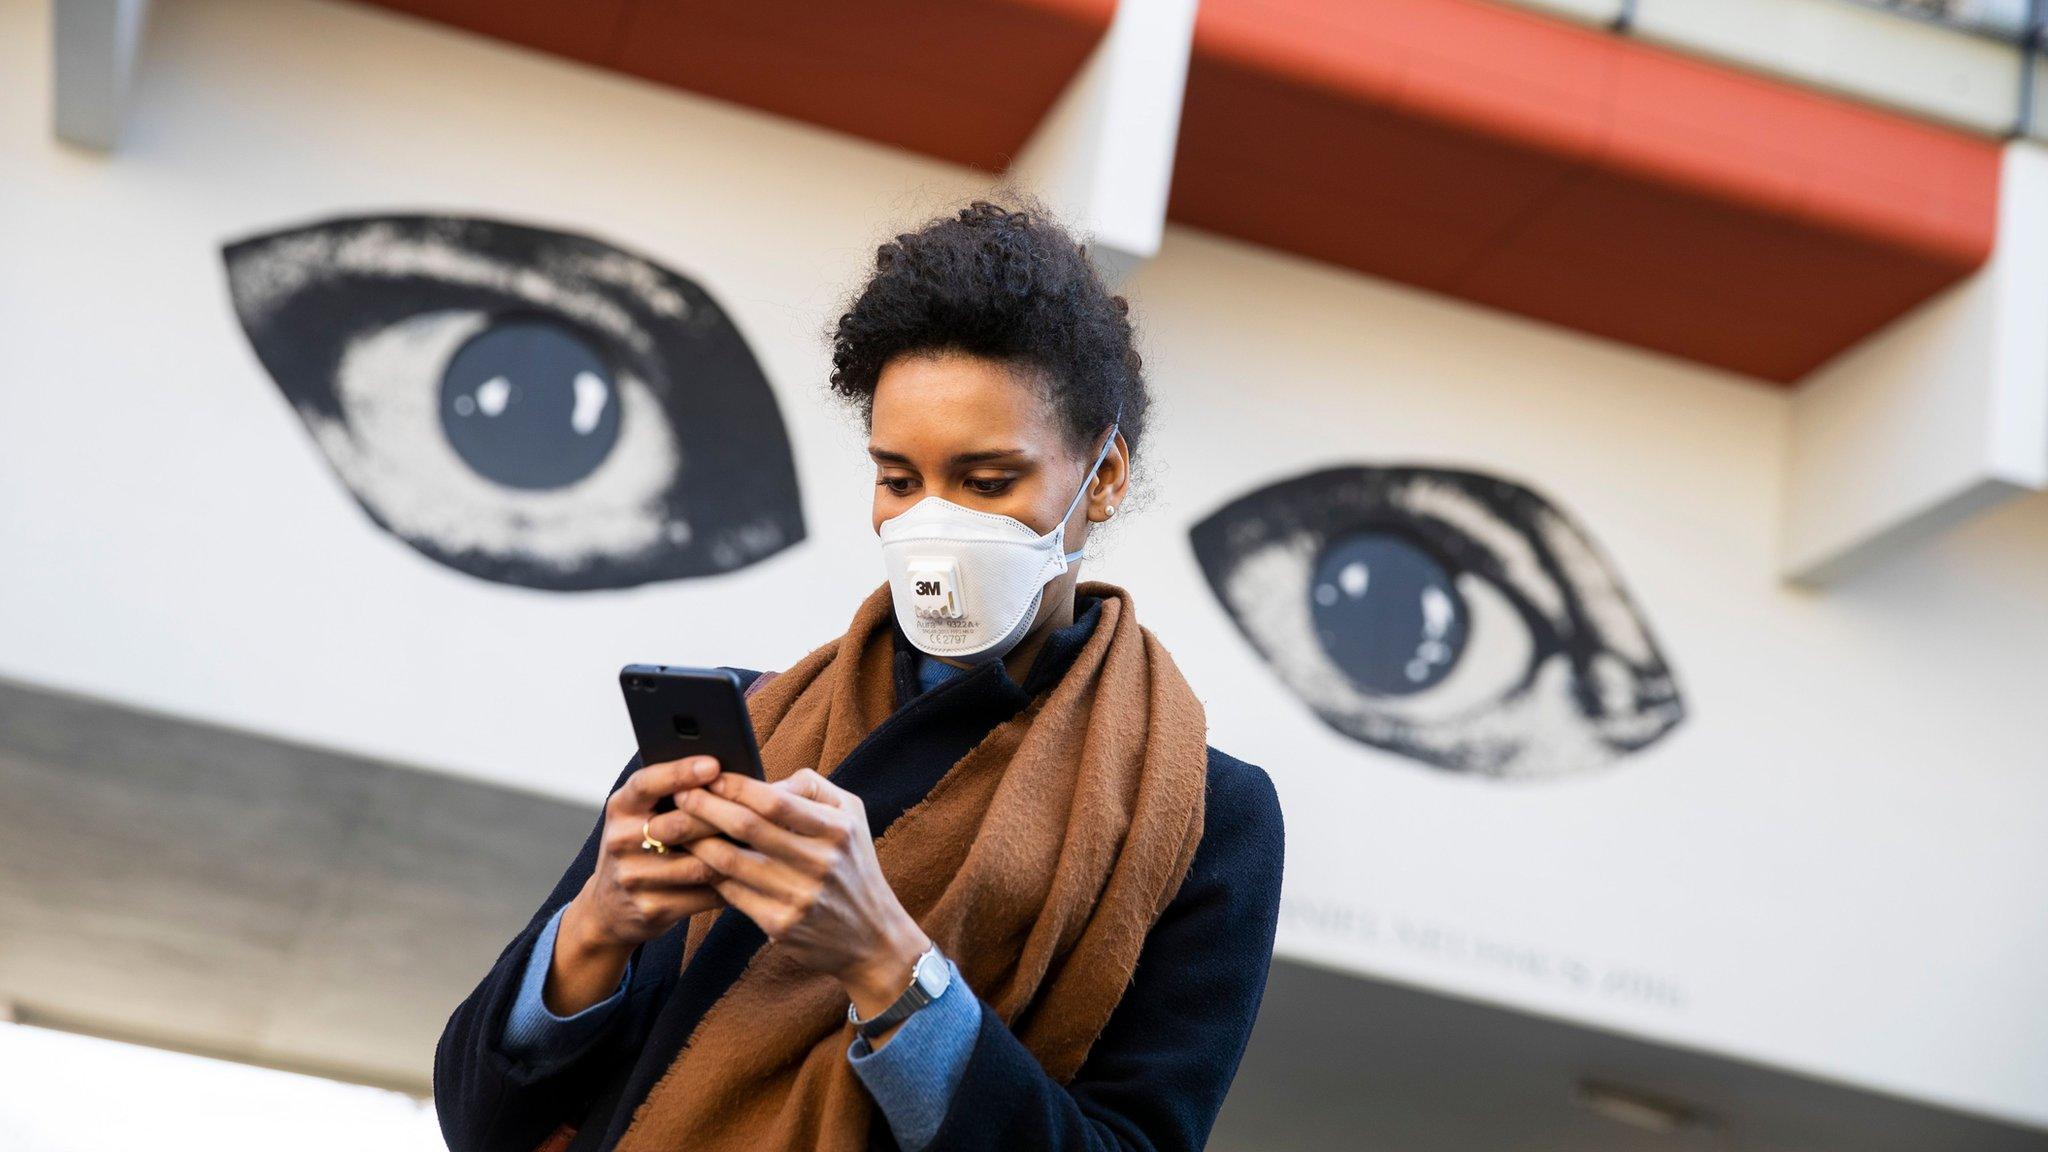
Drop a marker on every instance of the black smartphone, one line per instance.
(678, 712)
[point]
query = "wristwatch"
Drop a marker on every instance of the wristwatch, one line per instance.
(928, 978)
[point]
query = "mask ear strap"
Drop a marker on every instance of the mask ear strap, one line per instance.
(1100, 456)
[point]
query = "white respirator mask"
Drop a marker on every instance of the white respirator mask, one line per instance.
(967, 584)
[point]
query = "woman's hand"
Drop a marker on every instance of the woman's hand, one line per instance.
(634, 894)
(809, 878)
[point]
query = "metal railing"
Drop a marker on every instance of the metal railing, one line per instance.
(1985, 63)
(2005, 19)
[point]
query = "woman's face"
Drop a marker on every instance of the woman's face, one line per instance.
(976, 432)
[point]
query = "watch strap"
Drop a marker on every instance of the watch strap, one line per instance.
(928, 980)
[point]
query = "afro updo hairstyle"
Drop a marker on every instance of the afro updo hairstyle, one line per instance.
(1012, 286)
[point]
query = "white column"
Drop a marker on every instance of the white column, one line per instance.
(1103, 156)
(94, 43)
(1936, 418)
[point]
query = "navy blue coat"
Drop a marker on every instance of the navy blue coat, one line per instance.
(1154, 1080)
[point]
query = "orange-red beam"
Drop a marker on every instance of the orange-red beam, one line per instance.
(1575, 176)
(963, 80)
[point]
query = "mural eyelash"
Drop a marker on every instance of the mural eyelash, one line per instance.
(1454, 618)
(527, 406)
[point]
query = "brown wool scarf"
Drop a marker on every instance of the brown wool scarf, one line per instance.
(1038, 863)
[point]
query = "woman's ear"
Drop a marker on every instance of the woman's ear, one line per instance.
(1112, 481)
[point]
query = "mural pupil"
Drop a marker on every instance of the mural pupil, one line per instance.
(1387, 613)
(529, 405)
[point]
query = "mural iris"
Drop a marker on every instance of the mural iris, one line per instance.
(527, 406)
(1454, 618)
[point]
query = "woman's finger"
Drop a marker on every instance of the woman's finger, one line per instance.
(754, 869)
(813, 786)
(757, 831)
(698, 899)
(773, 917)
(848, 817)
(679, 904)
(781, 805)
(677, 828)
(673, 870)
(645, 787)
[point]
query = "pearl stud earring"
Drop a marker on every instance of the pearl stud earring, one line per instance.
(1109, 511)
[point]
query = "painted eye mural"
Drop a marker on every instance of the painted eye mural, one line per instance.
(529, 407)
(1454, 618)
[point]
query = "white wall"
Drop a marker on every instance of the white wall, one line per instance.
(1836, 863)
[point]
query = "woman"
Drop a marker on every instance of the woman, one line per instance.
(998, 892)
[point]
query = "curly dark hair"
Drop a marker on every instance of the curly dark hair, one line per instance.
(1008, 285)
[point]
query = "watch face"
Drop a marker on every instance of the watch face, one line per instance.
(931, 972)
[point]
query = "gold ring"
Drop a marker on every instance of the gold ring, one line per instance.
(647, 839)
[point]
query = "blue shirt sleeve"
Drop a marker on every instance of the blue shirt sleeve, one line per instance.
(537, 1036)
(913, 1077)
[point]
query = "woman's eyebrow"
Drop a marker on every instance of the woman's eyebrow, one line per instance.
(959, 459)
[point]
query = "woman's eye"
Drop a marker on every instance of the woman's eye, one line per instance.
(530, 407)
(897, 485)
(986, 486)
(1454, 618)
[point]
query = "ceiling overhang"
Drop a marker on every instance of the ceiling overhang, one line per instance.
(1575, 176)
(962, 80)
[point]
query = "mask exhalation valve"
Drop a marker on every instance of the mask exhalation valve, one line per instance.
(935, 587)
